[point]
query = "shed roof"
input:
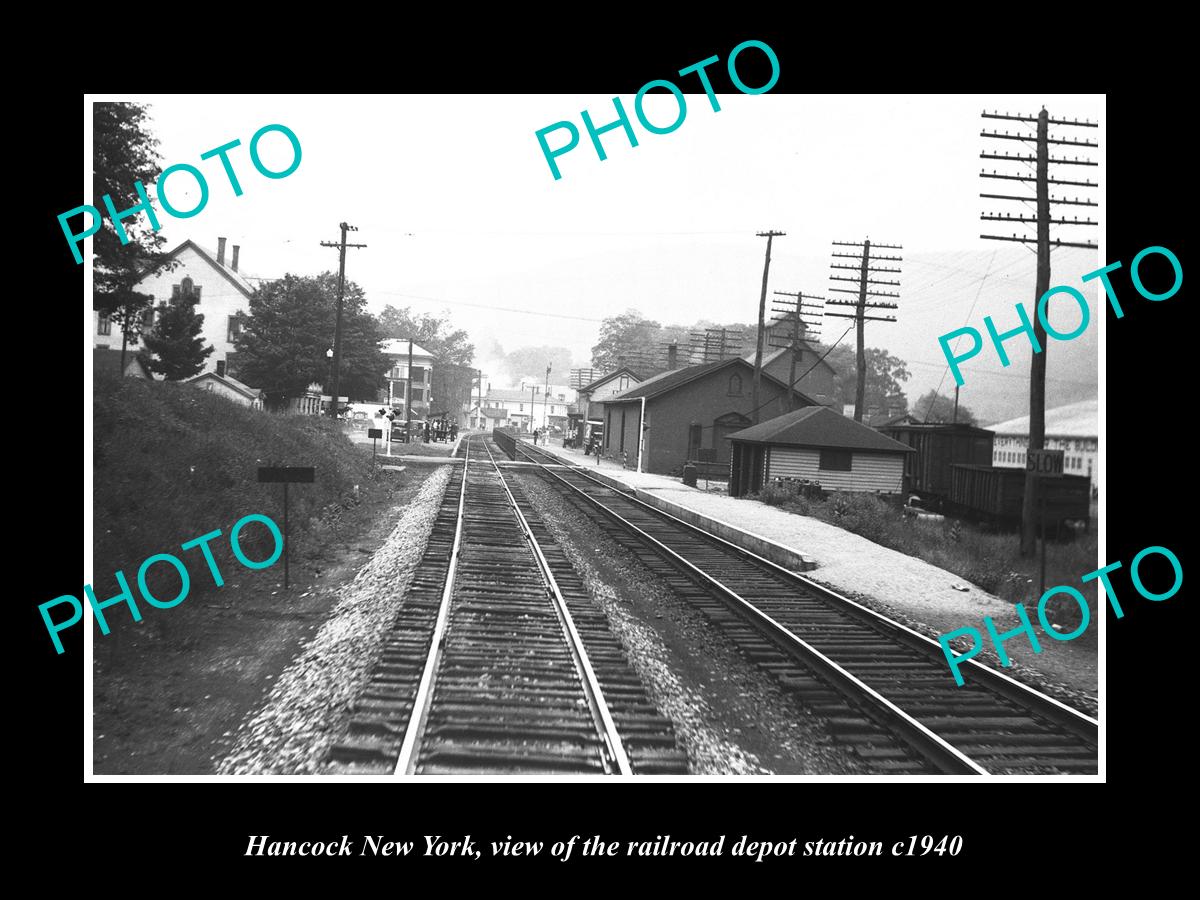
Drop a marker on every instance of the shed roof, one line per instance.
(819, 426)
(229, 381)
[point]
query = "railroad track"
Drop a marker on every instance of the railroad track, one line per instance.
(498, 662)
(884, 688)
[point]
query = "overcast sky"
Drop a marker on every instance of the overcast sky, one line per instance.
(461, 214)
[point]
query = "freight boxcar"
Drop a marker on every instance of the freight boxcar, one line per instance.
(995, 495)
(927, 472)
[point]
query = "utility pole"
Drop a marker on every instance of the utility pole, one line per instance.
(479, 397)
(532, 394)
(800, 328)
(762, 311)
(1042, 220)
(337, 325)
(408, 399)
(546, 400)
(864, 290)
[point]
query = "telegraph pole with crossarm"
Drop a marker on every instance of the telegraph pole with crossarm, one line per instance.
(865, 287)
(1040, 162)
(337, 324)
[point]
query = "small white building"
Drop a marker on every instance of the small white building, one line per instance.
(227, 386)
(1073, 428)
(524, 409)
(816, 444)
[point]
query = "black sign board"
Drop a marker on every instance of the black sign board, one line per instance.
(286, 474)
(374, 432)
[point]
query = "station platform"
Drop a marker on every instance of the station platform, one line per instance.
(844, 561)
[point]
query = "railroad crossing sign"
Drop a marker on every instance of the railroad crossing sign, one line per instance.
(1045, 463)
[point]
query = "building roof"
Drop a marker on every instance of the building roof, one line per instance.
(513, 395)
(399, 347)
(1075, 420)
(234, 278)
(775, 354)
(230, 382)
(108, 359)
(664, 382)
(819, 426)
(880, 420)
(914, 426)
(604, 379)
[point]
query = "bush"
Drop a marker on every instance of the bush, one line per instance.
(776, 494)
(173, 462)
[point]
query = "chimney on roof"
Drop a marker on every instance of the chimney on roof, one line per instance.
(672, 355)
(233, 262)
(220, 251)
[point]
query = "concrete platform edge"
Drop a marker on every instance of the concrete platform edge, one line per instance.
(768, 549)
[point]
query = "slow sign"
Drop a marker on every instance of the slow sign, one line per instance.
(1045, 463)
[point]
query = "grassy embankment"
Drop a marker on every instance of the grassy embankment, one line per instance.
(988, 559)
(173, 462)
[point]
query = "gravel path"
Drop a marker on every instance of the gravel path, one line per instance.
(730, 717)
(310, 702)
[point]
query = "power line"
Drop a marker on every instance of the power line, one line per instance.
(938, 392)
(527, 312)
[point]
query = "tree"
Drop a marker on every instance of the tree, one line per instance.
(885, 377)
(283, 344)
(624, 336)
(936, 409)
(177, 349)
(123, 152)
(532, 361)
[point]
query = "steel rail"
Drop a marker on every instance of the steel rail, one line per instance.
(616, 756)
(928, 744)
(420, 710)
(1080, 724)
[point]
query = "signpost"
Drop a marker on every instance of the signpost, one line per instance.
(375, 434)
(286, 475)
(1043, 464)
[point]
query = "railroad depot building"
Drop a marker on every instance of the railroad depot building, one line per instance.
(688, 410)
(812, 375)
(820, 445)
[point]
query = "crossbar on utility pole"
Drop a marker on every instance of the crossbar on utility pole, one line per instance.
(1041, 218)
(337, 324)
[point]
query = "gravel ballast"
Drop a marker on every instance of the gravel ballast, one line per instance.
(310, 702)
(730, 717)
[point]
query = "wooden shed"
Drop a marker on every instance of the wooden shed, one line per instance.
(819, 445)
